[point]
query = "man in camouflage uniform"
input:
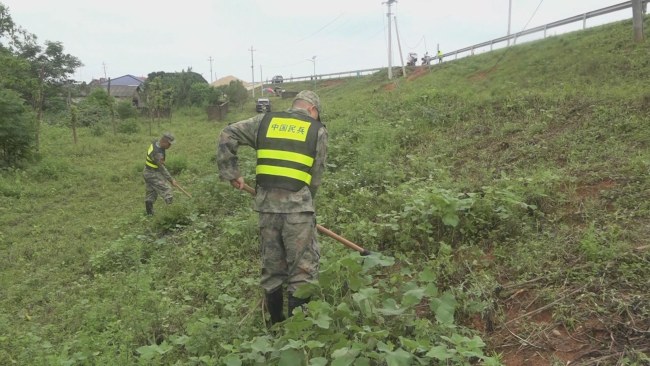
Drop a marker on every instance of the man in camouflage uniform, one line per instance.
(291, 152)
(157, 179)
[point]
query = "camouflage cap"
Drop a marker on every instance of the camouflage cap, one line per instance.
(169, 137)
(309, 96)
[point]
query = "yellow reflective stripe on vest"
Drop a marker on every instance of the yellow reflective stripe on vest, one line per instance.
(148, 161)
(285, 155)
(284, 172)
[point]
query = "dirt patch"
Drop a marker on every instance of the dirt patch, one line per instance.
(528, 332)
(419, 72)
(330, 83)
(535, 339)
(481, 75)
(593, 190)
(389, 87)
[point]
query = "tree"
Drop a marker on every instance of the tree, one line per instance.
(12, 36)
(215, 96)
(94, 109)
(15, 71)
(179, 83)
(52, 68)
(237, 93)
(159, 99)
(199, 94)
(38, 72)
(16, 128)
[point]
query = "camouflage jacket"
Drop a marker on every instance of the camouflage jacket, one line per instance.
(158, 158)
(271, 200)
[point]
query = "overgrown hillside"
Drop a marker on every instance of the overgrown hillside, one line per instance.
(506, 198)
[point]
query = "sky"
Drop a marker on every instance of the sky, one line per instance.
(287, 37)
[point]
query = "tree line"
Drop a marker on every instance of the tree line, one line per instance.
(31, 75)
(36, 79)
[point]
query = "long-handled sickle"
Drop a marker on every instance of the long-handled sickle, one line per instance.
(181, 189)
(323, 230)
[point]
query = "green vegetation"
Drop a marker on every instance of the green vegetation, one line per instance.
(29, 73)
(507, 194)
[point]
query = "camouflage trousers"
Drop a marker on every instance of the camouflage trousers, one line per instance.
(290, 252)
(156, 184)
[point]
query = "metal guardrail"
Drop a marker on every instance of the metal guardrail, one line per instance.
(491, 43)
(546, 27)
(335, 75)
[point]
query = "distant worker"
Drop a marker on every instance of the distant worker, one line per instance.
(291, 152)
(426, 60)
(413, 58)
(439, 56)
(157, 179)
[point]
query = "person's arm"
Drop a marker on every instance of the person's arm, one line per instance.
(158, 160)
(319, 163)
(243, 133)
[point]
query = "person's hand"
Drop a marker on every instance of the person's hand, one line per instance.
(238, 183)
(173, 182)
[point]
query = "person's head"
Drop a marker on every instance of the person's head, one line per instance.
(309, 101)
(166, 140)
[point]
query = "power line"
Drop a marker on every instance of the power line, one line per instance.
(523, 29)
(321, 28)
(332, 54)
(416, 46)
(532, 16)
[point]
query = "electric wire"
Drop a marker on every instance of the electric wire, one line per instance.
(416, 46)
(320, 29)
(523, 29)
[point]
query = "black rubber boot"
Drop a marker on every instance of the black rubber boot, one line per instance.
(295, 302)
(149, 206)
(275, 303)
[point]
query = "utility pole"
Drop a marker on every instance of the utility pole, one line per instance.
(104, 65)
(637, 20)
(390, 52)
(509, 18)
(253, 69)
(261, 82)
(399, 47)
(210, 59)
(313, 60)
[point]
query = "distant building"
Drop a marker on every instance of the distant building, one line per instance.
(125, 88)
(226, 81)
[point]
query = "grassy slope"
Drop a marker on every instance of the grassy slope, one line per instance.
(559, 125)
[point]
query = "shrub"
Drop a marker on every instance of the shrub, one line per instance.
(95, 109)
(97, 131)
(176, 165)
(17, 133)
(130, 126)
(50, 169)
(121, 255)
(126, 110)
(172, 217)
(93, 115)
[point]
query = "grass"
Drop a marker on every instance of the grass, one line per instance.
(507, 192)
